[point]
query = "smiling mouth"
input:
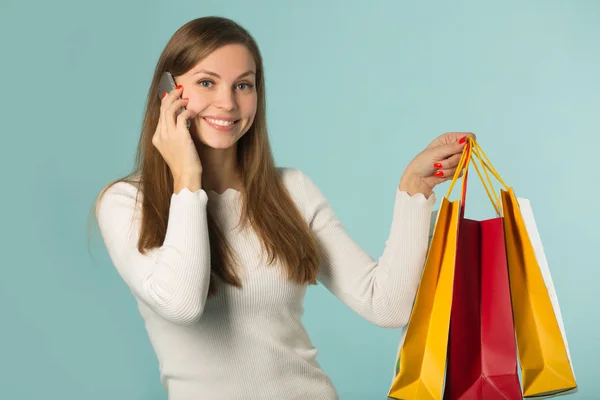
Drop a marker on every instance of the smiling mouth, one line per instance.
(221, 122)
(223, 125)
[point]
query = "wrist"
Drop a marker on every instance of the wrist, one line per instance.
(413, 184)
(193, 182)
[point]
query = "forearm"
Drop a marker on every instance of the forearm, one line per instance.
(382, 291)
(400, 266)
(182, 267)
(172, 279)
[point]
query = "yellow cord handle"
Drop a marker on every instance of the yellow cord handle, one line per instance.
(488, 165)
(491, 187)
(463, 163)
(471, 149)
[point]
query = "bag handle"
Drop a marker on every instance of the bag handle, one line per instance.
(472, 149)
(486, 166)
(463, 163)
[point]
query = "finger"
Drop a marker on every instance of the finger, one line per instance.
(446, 151)
(447, 173)
(183, 117)
(166, 101)
(168, 98)
(160, 128)
(457, 146)
(450, 162)
(450, 138)
(457, 137)
(172, 112)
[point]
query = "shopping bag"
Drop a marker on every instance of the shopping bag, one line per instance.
(544, 358)
(396, 369)
(422, 357)
(540, 256)
(482, 359)
(545, 363)
(482, 353)
(541, 341)
(420, 368)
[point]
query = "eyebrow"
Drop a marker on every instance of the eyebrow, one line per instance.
(203, 71)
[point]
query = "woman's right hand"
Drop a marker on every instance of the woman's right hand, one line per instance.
(173, 139)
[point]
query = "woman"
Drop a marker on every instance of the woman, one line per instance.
(218, 245)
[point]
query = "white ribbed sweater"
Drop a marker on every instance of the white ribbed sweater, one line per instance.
(250, 343)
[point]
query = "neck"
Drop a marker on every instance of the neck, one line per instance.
(219, 169)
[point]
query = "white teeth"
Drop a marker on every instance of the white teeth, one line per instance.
(219, 122)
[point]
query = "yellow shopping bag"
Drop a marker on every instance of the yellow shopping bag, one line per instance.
(546, 368)
(422, 357)
(545, 364)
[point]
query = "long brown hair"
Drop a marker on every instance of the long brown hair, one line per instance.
(272, 213)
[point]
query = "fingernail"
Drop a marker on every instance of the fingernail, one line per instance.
(462, 140)
(439, 173)
(178, 87)
(164, 94)
(437, 165)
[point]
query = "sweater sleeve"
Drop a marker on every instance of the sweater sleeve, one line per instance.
(172, 279)
(381, 291)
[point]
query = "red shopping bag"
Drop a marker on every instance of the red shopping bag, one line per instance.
(482, 352)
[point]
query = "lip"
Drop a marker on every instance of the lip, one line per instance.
(220, 127)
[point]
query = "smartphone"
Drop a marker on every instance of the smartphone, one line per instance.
(167, 84)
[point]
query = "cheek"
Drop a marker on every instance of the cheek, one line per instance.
(249, 106)
(197, 102)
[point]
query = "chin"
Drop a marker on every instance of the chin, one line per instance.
(217, 143)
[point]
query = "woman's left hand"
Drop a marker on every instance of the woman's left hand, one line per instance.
(434, 165)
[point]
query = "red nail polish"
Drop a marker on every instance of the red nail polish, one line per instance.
(439, 173)
(164, 94)
(437, 165)
(178, 87)
(462, 140)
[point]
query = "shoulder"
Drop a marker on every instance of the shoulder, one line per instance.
(298, 183)
(292, 178)
(303, 189)
(298, 180)
(119, 197)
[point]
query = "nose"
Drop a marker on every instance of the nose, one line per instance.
(225, 99)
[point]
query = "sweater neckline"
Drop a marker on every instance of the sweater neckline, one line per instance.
(228, 194)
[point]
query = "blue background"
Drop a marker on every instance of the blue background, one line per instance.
(355, 90)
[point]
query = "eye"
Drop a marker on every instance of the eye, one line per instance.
(244, 86)
(205, 83)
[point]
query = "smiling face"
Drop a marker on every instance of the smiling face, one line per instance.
(222, 89)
